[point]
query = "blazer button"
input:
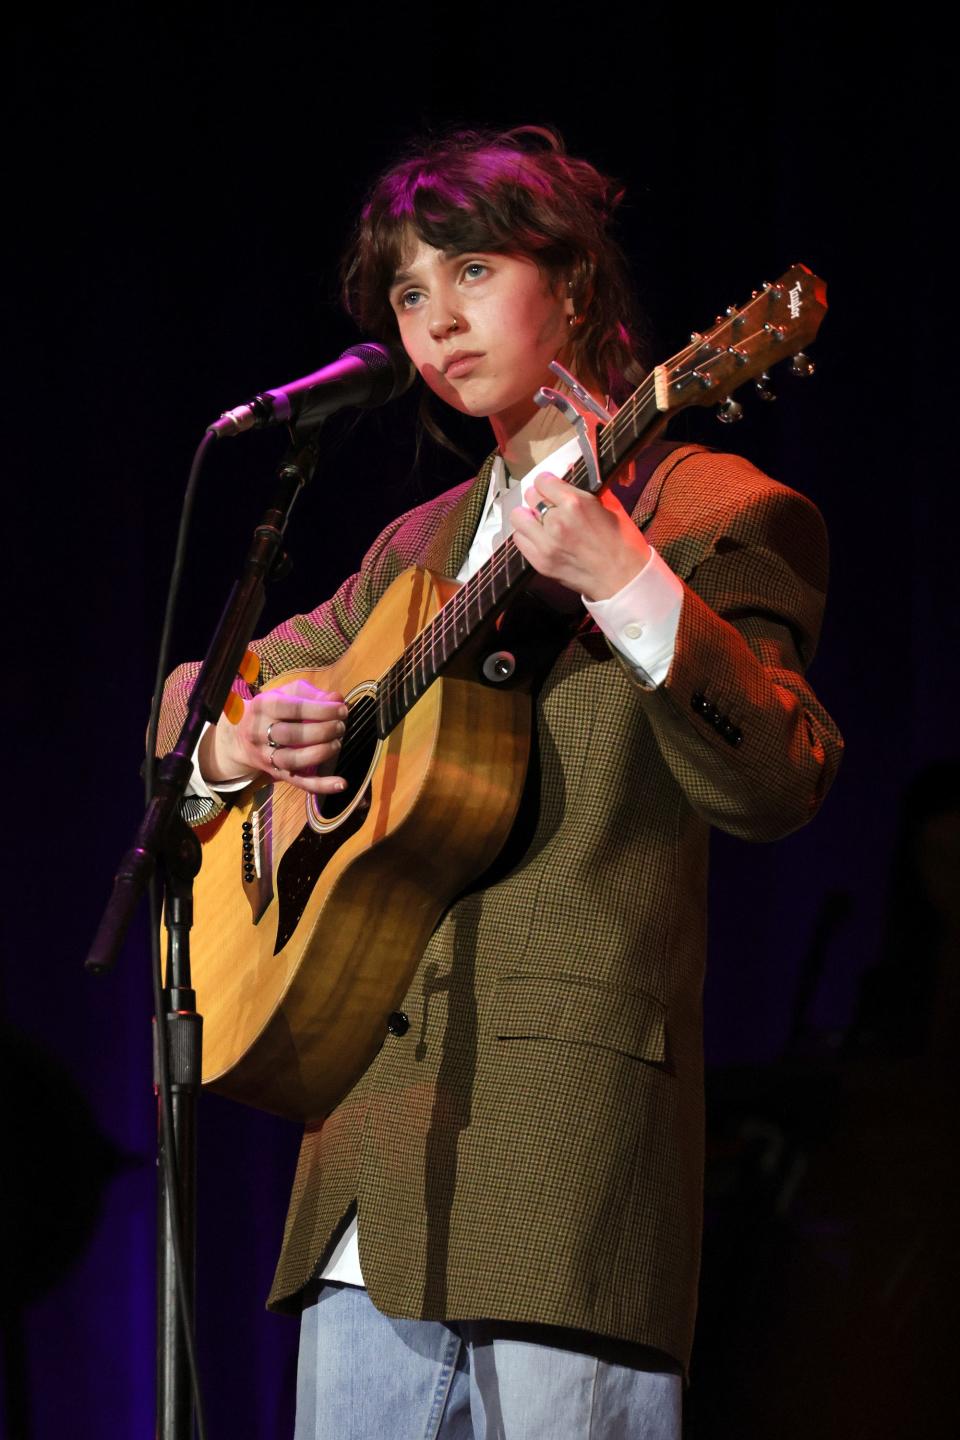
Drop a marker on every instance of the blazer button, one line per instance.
(699, 702)
(398, 1023)
(731, 733)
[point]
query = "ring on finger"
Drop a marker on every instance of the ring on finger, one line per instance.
(541, 508)
(273, 759)
(274, 744)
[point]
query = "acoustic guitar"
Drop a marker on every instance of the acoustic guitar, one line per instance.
(312, 912)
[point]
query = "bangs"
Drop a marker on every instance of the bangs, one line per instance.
(483, 206)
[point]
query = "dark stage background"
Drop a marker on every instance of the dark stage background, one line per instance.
(177, 192)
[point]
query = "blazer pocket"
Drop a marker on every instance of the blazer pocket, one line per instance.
(550, 1007)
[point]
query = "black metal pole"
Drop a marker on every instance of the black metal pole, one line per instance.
(181, 1031)
(178, 1027)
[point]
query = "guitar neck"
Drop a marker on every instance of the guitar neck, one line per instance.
(774, 323)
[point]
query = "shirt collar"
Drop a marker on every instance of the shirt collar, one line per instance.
(558, 462)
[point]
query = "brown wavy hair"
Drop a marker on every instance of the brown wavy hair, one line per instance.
(515, 192)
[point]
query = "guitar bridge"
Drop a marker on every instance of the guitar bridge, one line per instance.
(256, 853)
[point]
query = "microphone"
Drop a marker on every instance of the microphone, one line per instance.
(365, 375)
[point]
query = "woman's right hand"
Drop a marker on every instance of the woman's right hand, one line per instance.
(292, 733)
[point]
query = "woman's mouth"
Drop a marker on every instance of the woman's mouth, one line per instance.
(460, 363)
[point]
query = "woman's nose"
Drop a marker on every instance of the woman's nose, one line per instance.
(444, 322)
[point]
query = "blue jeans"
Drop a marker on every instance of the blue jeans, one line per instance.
(364, 1376)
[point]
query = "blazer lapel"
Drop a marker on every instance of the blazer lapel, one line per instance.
(450, 546)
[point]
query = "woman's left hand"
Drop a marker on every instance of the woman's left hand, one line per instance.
(587, 542)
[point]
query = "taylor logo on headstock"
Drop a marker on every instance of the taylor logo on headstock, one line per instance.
(776, 322)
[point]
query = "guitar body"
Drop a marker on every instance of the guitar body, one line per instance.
(310, 918)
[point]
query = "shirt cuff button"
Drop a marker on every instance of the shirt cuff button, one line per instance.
(633, 631)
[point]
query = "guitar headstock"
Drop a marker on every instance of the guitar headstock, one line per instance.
(776, 323)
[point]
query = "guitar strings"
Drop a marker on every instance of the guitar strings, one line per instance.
(422, 650)
(447, 618)
(445, 621)
(441, 624)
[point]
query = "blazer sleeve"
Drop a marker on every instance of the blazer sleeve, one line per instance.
(737, 723)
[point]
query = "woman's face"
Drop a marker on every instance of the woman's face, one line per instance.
(480, 328)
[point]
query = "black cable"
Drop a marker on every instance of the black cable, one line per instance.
(173, 595)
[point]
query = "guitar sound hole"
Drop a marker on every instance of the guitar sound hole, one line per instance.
(356, 756)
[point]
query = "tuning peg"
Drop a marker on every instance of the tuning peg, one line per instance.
(764, 390)
(802, 366)
(729, 411)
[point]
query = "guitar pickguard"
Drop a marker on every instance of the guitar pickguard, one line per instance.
(304, 863)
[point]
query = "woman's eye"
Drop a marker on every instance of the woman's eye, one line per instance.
(474, 270)
(409, 299)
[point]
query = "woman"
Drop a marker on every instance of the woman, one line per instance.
(516, 1181)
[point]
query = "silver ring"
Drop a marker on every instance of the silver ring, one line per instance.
(541, 507)
(273, 760)
(274, 744)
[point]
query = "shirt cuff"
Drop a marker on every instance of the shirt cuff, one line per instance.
(196, 785)
(642, 619)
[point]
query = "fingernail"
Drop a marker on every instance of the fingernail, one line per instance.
(343, 712)
(340, 727)
(335, 744)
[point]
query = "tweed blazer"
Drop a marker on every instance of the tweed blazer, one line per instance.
(531, 1149)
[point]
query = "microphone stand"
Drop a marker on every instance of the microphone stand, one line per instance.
(164, 837)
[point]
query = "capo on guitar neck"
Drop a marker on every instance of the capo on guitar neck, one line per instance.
(584, 414)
